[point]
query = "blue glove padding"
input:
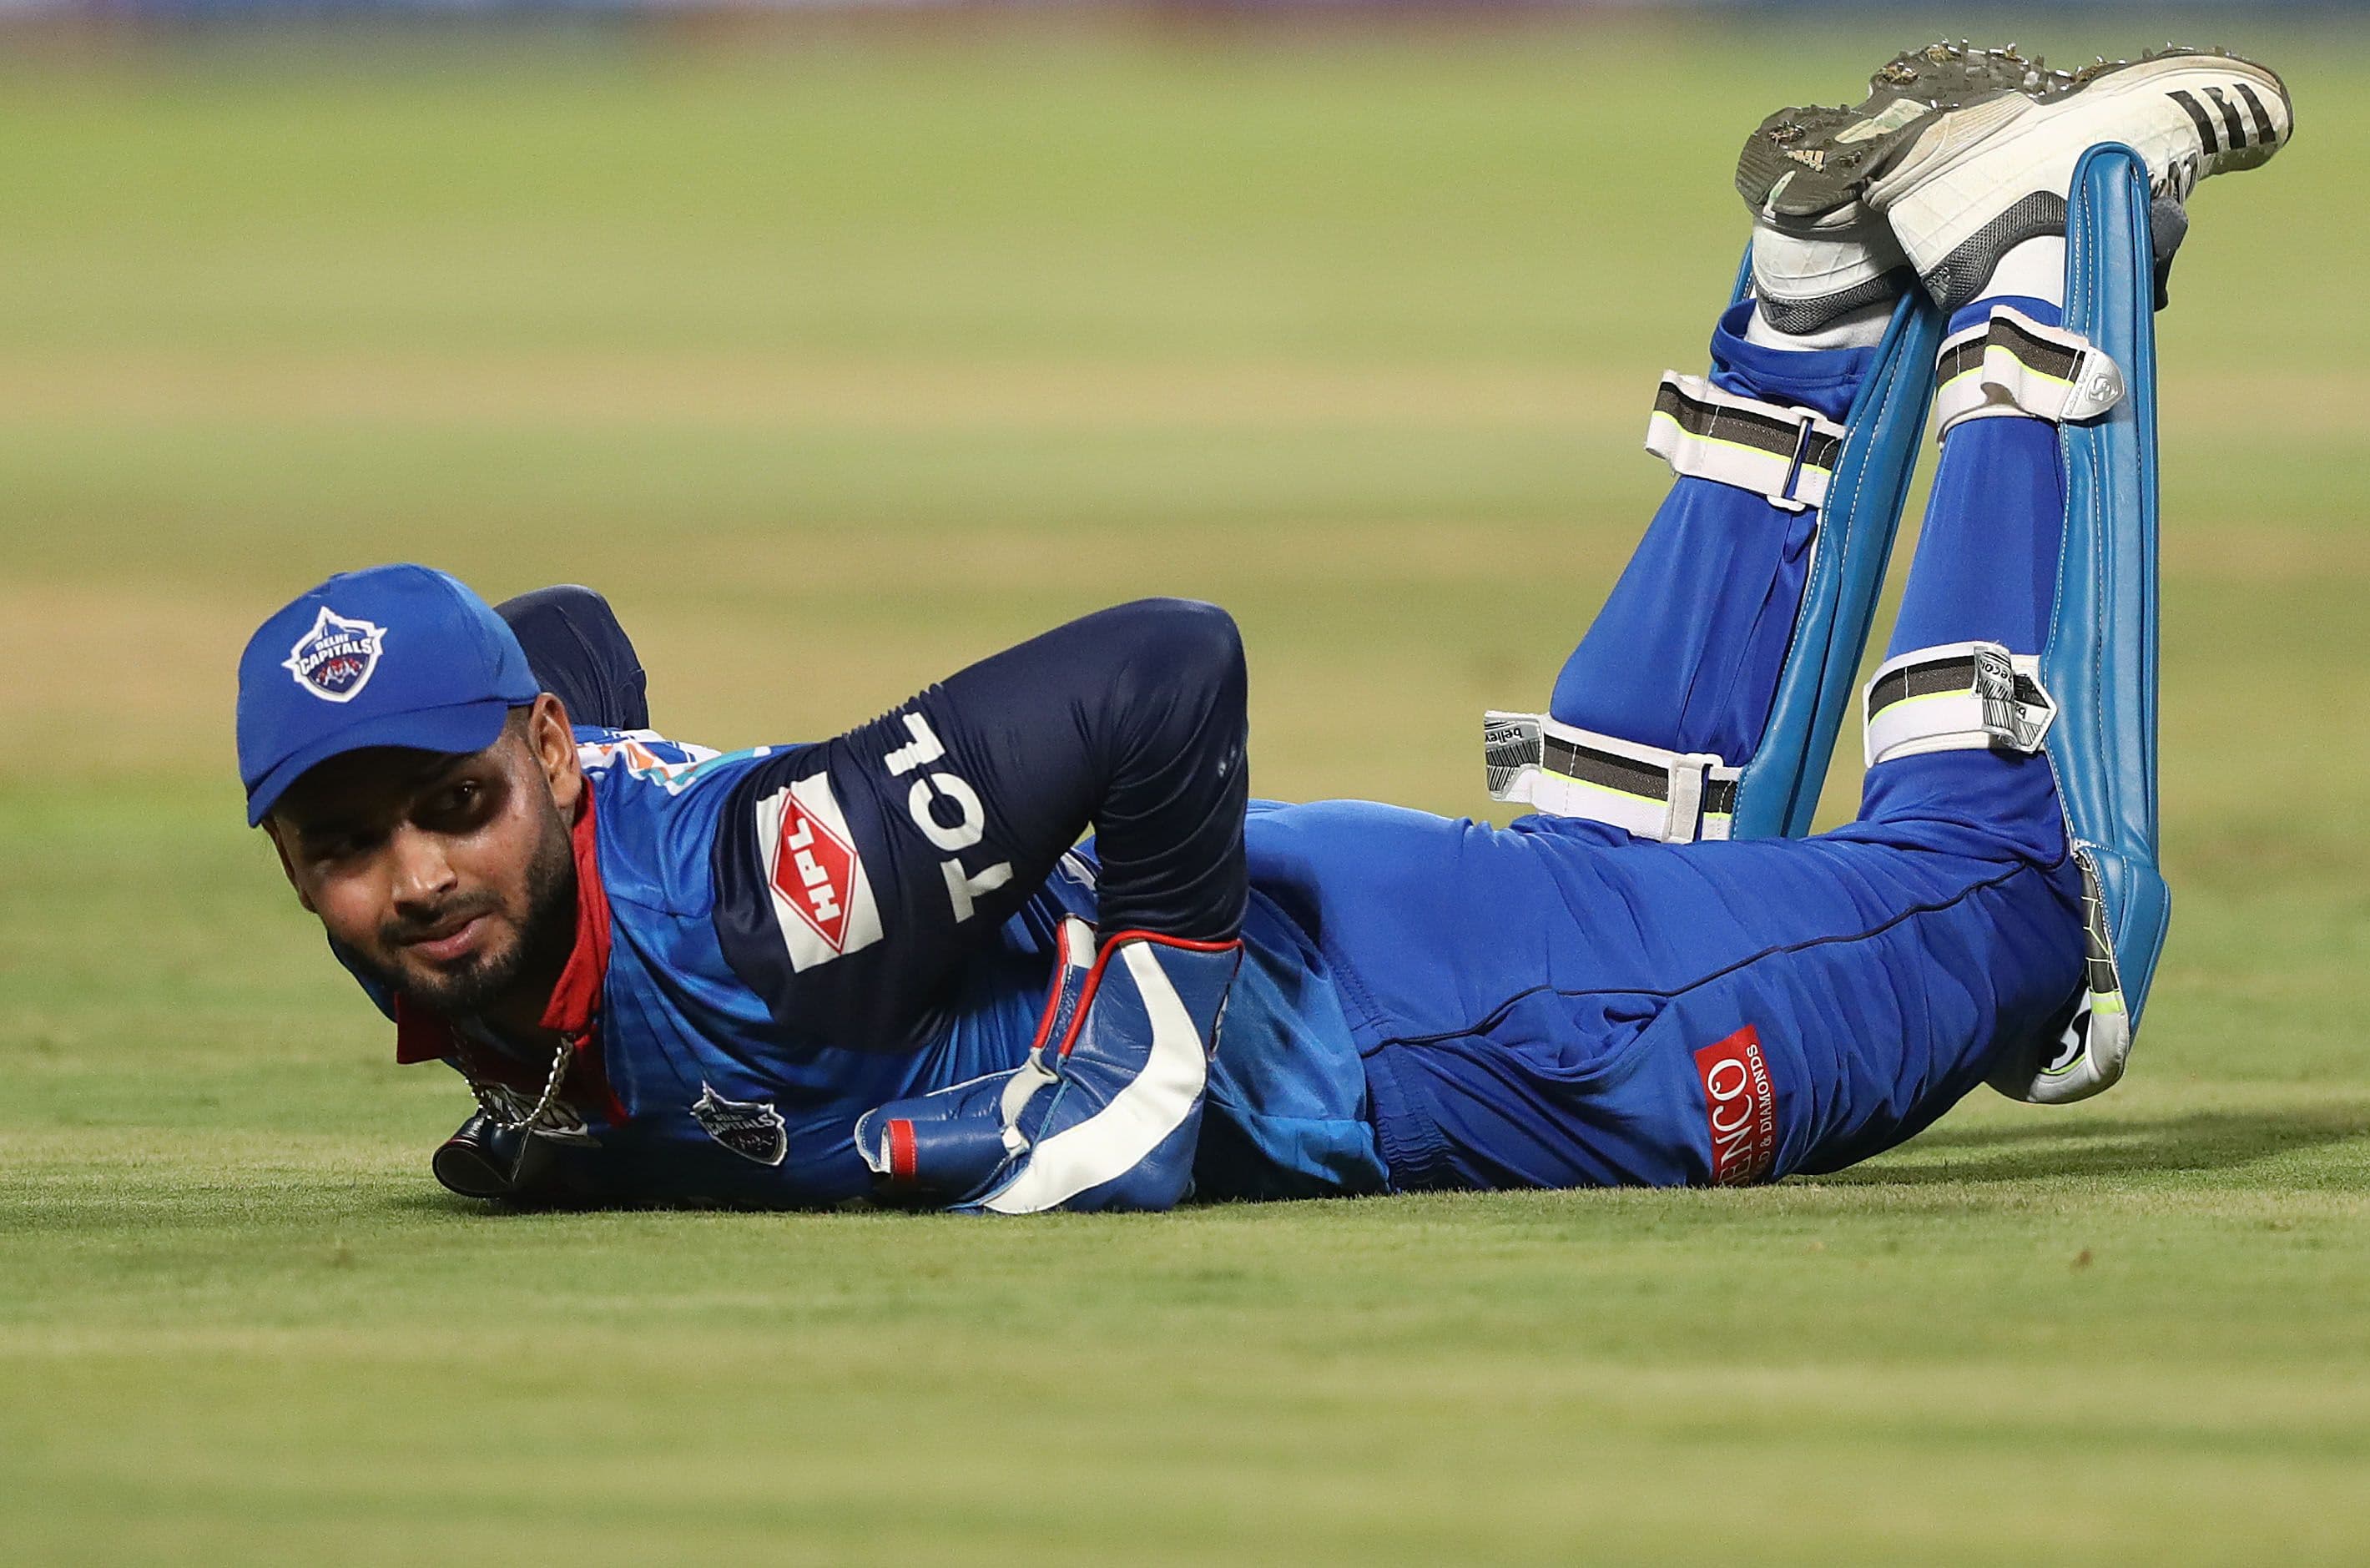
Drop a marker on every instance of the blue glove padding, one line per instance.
(1106, 1112)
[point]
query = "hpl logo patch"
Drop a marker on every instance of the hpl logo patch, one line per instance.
(337, 658)
(750, 1128)
(1741, 1107)
(822, 901)
(813, 873)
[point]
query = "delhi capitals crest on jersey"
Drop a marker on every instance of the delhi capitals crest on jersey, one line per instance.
(337, 658)
(750, 1128)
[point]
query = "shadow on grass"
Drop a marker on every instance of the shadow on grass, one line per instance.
(2044, 1147)
(2197, 1140)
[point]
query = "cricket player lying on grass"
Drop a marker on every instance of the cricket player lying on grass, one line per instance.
(885, 964)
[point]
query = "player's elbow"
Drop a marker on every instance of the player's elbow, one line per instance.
(1186, 641)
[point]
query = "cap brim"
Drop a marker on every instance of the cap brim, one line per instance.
(464, 727)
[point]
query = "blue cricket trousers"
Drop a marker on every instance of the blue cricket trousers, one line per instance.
(1557, 1004)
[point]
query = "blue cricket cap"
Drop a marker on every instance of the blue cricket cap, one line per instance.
(390, 656)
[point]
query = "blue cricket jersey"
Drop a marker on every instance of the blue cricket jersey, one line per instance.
(786, 937)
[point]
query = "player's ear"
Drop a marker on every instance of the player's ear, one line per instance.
(551, 740)
(287, 868)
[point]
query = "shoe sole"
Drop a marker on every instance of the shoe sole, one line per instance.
(1807, 164)
(1812, 162)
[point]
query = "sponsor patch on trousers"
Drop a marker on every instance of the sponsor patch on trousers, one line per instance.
(1739, 1107)
(822, 901)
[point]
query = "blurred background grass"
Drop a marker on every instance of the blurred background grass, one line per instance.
(839, 357)
(840, 350)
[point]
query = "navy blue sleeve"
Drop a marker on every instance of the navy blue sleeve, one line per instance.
(854, 878)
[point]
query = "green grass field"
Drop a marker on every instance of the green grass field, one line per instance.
(840, 358)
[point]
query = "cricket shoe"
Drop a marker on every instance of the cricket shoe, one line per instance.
(1804, 281)
(1818, 250)
(1963, 184)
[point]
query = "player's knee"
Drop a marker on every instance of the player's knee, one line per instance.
(581, 653)
(1981, 804)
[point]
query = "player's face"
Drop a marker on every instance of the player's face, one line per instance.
(449, 878)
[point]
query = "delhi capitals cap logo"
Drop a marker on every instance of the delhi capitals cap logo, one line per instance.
(336, 659)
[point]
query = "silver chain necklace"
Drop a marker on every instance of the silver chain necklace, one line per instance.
(560, 1058)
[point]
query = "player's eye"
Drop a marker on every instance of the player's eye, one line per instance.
(464, 799)
(337, 847)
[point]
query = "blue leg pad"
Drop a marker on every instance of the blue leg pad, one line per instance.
(1778, 791)
(2100, 659)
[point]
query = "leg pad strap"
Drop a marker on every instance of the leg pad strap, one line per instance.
(1784, 452)
(1674, 797)
(1959, 697)
(2012, 365)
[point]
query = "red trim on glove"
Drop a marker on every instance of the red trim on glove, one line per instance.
(901, 1149)
(1111, 945)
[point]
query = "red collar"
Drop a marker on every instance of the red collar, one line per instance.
(424, 1036)
(577, 996)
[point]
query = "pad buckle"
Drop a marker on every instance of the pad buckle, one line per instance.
(1682, 816)
(1959, 697)
(1806, 432)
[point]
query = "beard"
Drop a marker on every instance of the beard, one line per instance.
(545, 936)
